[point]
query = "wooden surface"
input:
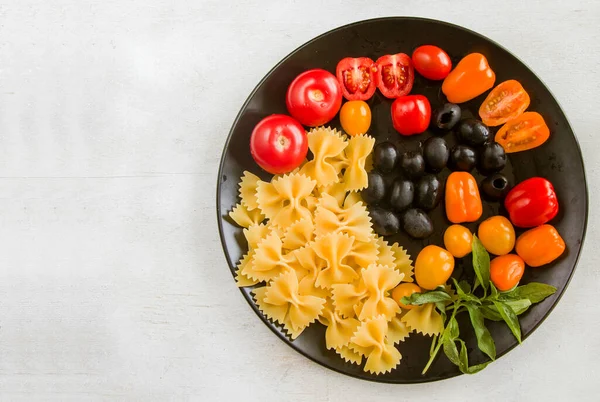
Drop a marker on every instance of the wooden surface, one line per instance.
(113, 116)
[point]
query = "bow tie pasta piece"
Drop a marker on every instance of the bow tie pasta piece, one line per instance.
(346, 296)
(309, 267)
(356, 153)
(336, 190)
(327, 146)
(339, 329)
(302, 310)
(284, 200)
(269, 260)
(386, 253)
(241, 279)
(245, 218)
(254, 234)
(331, 218)
(424, 319)
(397, 330)
(379, 280)
(363, 253)
(349, 354)
(275, 313)
(351, 199)
(298, 234)
(334, 248)
(248, 184)
(382, 356)
(402, 262)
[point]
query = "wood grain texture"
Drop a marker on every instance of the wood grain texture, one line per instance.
(113, 115)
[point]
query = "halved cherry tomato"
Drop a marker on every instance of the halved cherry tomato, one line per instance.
(355, 117)
(357, 77)
(497, 235)
(506, 102)
(431, 62)
(506, 271)
(278, 144)
(395, 75)
(405, 290)
(314, 97)
(458, 240)
(527, 131)
(433, 267)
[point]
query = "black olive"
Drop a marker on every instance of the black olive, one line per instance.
(385, 157)
(417, 224)
(492, 158)
(402, 194)
(385, 223)
(375, 191)
(412, 164)
(446, 116)
(428, 192)
(436, 153)
(463, 158)
(472, 132)
(495, 187)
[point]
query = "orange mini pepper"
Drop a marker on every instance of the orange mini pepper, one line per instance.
(471, 77)
(540, 246)
(463, 203)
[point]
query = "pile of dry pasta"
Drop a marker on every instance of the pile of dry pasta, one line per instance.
(314, 257)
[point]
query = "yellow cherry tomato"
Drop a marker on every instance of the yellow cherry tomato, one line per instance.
(457, 240)
(402, 290)
(497, 235)
(355, 117)
(433, 267)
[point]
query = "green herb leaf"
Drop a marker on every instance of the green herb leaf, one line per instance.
(519, 306)
(485, 342)
(465, 295)
(477, 368)
(427, 297)
(451, 351)
(481, 263)
(452, 331)
(491, 313)
(464, 286)
(493, 292)
(476, 284)
(463, 357)
(509, 316)
(534, 291)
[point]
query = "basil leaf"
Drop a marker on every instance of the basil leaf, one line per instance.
(452, 331)
(509, 316)
(481, 263)
(463, 295)
(494, 292)
(463, 357)
(485, 342)
(519, 306)
(476, 284)
(451, 351)
(427, 297)
(477, 368)
(534, 291)
(491, 313)
(464, 285)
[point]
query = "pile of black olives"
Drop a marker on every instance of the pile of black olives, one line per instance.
(405, 200)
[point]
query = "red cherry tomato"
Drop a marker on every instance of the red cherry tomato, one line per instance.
(432, 62)
(395, 75)
(357, 77)
(278, 144)
(314, 97)
(411, 114)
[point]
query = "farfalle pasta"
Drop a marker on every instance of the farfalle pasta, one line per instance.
(353, 221)
(356, 153)
(327, 146)
(245, 218)
(372, 342)
(424, 319)
(248, 185)
(284, 200)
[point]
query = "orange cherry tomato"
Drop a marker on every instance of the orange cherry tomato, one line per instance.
(402, 290)
(457, 240)
(471, 77)
(506, 271)
(463, 202)
(433, 267)
(497, 235)
(527, 131)
(540, 246)
(355, 117)
(506, 102)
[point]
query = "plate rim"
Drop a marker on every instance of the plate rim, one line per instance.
(246, 294)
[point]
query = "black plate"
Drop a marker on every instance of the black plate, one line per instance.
(559, 160)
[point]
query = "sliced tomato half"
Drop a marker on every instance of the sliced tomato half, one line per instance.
(506, 102)
(527, 131)
(357, 77)
(395, 75)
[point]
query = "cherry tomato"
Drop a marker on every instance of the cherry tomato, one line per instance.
(314, 97)
(506, 271)
(458, 240)
(395, 75)
(506, 102)
(357, 77)
(411, 114)
(433, 267)
(278, 144)
(431, 62)
(355, 117)
(527, 131)
(497, 235)
(405, 290)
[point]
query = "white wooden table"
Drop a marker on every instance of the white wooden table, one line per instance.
(113, 285)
